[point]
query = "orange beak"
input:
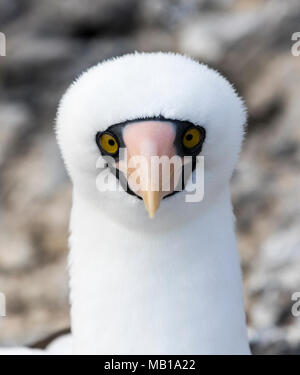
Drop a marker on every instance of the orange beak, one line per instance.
(146, 142)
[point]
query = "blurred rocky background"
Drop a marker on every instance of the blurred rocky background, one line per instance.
(48, 44)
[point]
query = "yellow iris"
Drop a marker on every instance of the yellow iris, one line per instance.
(191, 138)
(109, 143)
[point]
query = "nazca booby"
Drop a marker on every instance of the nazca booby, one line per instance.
(171, 285)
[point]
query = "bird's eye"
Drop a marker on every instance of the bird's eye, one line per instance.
(108, 143)
(192, 138)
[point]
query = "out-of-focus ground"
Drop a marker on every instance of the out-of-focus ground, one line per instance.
(48, 44)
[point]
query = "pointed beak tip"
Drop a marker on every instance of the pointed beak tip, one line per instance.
(151, 211)
(151, 215)
(152, 203)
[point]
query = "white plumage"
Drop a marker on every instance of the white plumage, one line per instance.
(171, 285)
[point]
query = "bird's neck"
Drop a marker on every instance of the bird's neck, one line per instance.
(178, 292)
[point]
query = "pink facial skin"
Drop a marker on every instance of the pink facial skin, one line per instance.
(146, 139)
(150, 138)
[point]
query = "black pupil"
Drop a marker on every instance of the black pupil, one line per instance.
(111, 142)
(189, 137)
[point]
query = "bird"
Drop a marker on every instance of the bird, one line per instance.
(152, 272)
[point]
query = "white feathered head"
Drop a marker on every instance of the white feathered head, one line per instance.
(151, 104)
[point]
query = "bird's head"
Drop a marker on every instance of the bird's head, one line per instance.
(122, 116)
